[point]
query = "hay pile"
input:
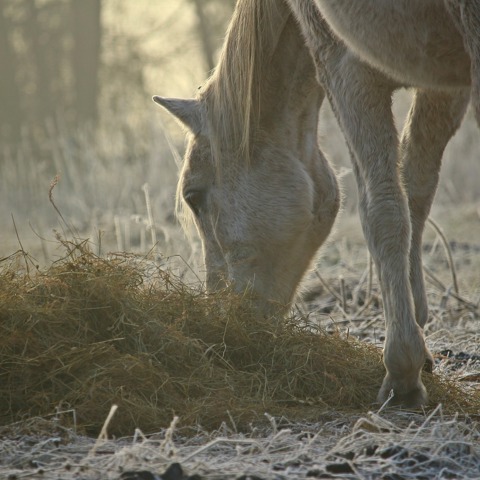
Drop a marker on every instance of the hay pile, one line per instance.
(90, 332)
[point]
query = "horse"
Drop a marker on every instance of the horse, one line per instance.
(262, 194)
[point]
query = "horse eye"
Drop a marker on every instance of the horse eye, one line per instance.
(194, 199)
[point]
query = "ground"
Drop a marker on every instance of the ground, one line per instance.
(378, 443)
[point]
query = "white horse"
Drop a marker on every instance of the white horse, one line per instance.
(264, 197)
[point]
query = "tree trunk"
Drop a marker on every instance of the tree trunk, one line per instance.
(204, 31)
(44, 105)
(86, 57)
(10, 117)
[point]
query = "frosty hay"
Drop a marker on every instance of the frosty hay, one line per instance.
(263, 195)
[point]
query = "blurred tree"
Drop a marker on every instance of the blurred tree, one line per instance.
(212, 16)
(35, 51)
(9, 95)
(86, 56)
(74, 60)
(204, 32)
(49, 61)
(42, 67)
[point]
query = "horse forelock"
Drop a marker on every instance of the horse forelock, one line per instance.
(232, 94)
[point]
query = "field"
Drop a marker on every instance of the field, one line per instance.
(102, 303)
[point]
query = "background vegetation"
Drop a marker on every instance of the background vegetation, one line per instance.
(75, 89)
(76, 82)
(78, 127)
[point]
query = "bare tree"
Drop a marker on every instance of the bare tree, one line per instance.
(212, 16)
(9, 94)
(44, 105)
(204, 32)
(86, 56)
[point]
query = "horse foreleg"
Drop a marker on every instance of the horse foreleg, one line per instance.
(361, 99)
(433, 119)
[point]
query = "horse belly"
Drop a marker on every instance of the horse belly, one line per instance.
(415, 42)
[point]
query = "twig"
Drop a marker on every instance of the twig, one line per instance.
(434, 279)
(25, 256)
(168, 444)
(448, 251)
(448, 292)
(151, 224)
(343, 294)
(228, 441)
(386, 402)
(467, 303)
(118, 233)
(324, 283)
(103, 436)
(53, 184)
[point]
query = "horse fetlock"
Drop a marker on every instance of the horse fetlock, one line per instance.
(404, 362)
(407, 392)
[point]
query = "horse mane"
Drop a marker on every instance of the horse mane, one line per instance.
(232, 94)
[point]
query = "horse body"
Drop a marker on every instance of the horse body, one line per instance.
(413, 42)
(263, 195)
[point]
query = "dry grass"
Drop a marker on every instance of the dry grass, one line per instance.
(89, 332)
(397, 445)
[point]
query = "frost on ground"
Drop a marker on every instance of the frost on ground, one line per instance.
(381, 445)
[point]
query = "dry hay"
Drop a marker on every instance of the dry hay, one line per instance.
(89, 332)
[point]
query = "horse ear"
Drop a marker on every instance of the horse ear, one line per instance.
(187, 111)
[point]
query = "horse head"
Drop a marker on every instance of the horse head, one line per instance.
(262, 195)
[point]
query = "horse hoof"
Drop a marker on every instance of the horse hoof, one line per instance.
(412, 398)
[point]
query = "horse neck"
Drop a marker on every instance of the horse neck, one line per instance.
(291, 98)
(264, 80)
